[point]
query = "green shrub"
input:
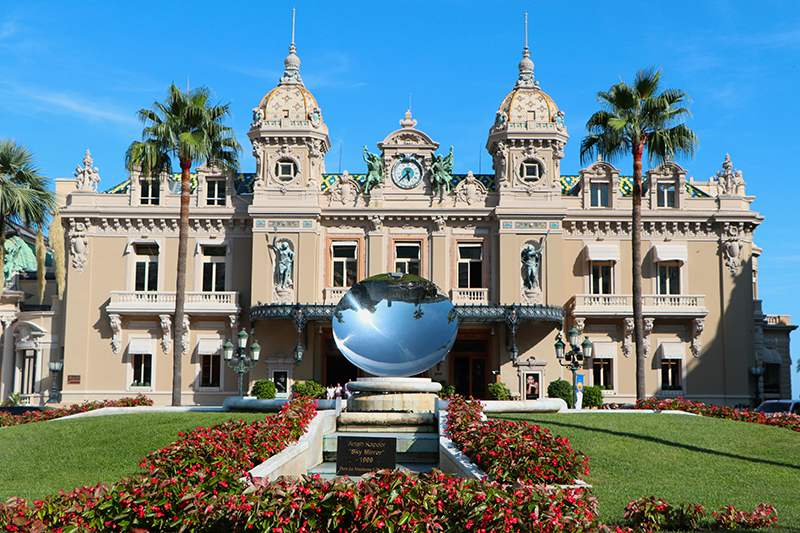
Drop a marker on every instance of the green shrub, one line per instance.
(263, 389)
(592, 397)
(561, 389)
(499, 391)
(308, 389)
(447, 390)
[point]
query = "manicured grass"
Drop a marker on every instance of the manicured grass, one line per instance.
(42, 458)
(701, 460)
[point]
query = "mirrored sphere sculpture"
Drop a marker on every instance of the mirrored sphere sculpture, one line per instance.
(395, 325)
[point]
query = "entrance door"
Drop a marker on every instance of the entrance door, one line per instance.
(338, 369)
(470, 363)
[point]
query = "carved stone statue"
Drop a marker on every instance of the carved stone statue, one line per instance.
(374, 170)
(285, 257)
(442, 173)
(729, 180)
(87, 176)
(531, 261)
(258, 116)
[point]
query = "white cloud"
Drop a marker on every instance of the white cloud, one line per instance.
(19, 96)
(8, 29)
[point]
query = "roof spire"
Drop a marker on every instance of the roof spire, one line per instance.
(526, 65)
(291, 73)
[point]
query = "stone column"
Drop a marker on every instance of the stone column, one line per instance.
(7, 370)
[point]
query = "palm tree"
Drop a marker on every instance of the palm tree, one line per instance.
(25, 196)
(187, 128)
(638, 117)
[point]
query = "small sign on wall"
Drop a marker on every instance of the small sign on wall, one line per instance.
(531, 384)
(73, 380)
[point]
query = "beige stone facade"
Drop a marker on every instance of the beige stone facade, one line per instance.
(704, 325)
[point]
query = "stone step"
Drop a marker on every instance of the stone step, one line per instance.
(327, 470)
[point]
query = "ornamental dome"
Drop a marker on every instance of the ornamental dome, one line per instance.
(290, 103)
(527, 105)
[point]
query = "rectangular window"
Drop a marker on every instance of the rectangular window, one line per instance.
(146, 267)
(345, 265)
(599, 194)
(142, 370)
(772, 377)
(669, 279)
(406, 258)
(216, 192)
(209, 370)
(602, 278)
(470, 266)
(214, 268)
(149, 191)
(671, 374)
(601, 372)
(666, 194)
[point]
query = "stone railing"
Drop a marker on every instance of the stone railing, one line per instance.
(332, 295)
(164, 302)
(690, 305)
(469, 296)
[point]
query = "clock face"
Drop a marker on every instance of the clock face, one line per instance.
(407, 173)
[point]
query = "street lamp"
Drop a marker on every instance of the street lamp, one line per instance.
(236, 356)
(757, 371)
(55, 368)
(575, 358)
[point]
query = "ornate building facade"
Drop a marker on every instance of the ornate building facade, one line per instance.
(524, 253)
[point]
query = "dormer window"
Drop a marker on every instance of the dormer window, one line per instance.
(666, 195)
(149, 188)
(531, 170)
(286, 169)
(216, 192)
(599, 194)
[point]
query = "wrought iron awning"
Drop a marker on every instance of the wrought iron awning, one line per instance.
(469, 314)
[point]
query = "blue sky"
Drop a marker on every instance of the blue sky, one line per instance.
(73, 74)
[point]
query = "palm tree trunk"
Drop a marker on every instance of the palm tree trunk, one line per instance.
(636, 256)
(180, 284)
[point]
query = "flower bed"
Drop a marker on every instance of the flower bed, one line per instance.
(784, 420)
(387, 501)
(512, 451)
(650, 514)
(7, 419)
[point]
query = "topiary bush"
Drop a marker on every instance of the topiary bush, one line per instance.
(592, 397)
(308, 389)
(263, 389)
(561, 389)
(499, 391)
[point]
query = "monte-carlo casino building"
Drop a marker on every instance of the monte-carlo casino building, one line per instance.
(706, 336)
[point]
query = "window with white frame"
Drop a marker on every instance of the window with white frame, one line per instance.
(208, 353)
(669, 278)
(671, 354)
(665, 194)
(598, 193)
(531, 170)
(146, 275)
(214, 258)
(345, 263)
(406, 257)
(140, 355)
(603, 364)
(470, 266)
(285, 170)
(215, 191)
(602, 277)
(149, 193)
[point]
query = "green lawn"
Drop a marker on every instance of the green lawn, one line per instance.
(701, 460)
(41, 458)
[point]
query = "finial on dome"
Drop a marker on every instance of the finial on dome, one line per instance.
(526, 65)
(408, 122)
(291, 73)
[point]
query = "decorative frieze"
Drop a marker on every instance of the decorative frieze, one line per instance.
(116, 332)
(166, 332)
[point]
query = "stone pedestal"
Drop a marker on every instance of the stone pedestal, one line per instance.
(390, 404)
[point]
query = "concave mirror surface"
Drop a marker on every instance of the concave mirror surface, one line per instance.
(395, 325)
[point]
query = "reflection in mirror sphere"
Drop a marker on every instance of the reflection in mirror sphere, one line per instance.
(395, 325)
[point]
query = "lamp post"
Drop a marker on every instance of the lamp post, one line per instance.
(237, 359)
(575, 358)
(55, 368)
(757, 371)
